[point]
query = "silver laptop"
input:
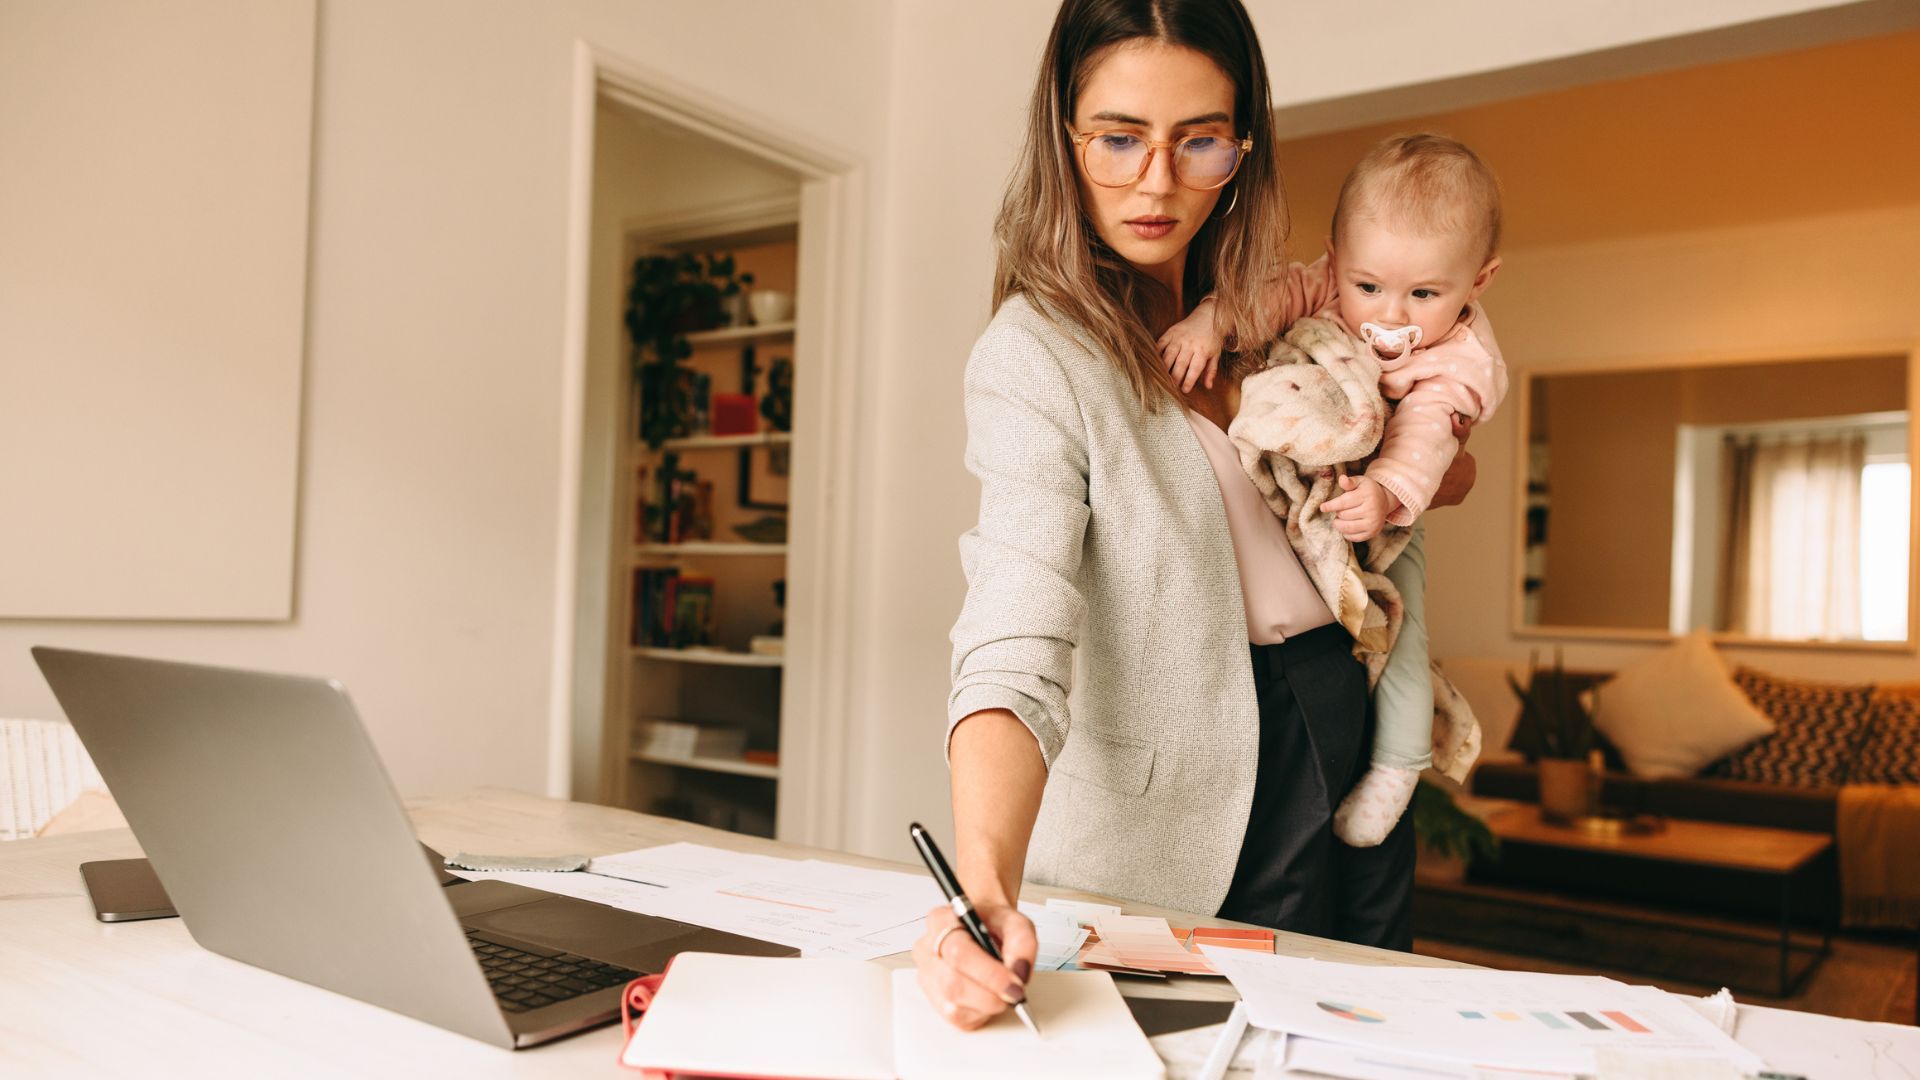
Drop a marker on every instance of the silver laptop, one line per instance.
(276, 832)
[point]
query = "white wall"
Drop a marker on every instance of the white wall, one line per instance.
(131, 387)
(427, 537)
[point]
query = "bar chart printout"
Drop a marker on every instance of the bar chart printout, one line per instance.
(1491, 1019)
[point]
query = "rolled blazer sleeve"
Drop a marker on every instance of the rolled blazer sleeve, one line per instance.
(1026, 441)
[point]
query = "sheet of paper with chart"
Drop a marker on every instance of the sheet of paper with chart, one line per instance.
(1503, 1019)
(820, 908)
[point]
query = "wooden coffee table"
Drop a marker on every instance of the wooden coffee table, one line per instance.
(1770, 858)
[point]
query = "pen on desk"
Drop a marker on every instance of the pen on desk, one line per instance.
(962, 907)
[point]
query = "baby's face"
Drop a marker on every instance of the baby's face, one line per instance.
(1396, 278)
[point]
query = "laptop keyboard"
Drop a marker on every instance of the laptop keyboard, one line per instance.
(525, 980)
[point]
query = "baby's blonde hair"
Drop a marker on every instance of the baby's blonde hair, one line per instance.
(1428, 182)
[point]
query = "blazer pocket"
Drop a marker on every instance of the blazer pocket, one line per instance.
(1120, 765)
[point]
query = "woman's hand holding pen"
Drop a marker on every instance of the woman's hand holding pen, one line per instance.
(966, 985)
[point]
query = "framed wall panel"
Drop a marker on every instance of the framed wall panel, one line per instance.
(153, 264)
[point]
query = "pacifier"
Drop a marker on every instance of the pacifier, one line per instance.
(1396, 342)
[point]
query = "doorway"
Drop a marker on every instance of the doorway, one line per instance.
(749, 733)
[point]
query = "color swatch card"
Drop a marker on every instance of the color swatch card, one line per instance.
(1060, 937)
(1493, 1019)
(1145, 945)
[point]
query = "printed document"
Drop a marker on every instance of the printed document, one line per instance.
(1497, 1019)
(820, 908)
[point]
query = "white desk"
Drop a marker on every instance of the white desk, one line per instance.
(83, 998)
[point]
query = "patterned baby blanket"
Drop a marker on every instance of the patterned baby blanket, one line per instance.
(1310, 412)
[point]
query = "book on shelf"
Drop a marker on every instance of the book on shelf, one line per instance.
(684, 739)
(652, 612)
(667, 738)
(690, 610)
(672, 505)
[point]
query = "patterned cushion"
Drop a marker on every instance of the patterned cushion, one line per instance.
(1890, 749)
(1817, 731)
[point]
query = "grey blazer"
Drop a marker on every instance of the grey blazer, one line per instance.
(1102, 529)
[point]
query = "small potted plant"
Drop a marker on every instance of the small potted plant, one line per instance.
(1450, 838)
(1556, 733)
(672, 296)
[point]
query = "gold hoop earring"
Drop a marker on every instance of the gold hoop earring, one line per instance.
(1235, 202)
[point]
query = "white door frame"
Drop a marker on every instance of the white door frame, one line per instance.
(816, 685)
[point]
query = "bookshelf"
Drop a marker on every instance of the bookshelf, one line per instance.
(696, 595)
(720, 442)
(739, 334)
(703, 547)
(709, 656)
(719, 765)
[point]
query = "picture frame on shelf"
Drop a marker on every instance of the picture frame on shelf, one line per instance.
(748, 500)
(776, 409)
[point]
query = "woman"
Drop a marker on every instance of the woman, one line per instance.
(1222, 714)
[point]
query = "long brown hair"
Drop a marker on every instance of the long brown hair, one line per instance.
(1048, 250)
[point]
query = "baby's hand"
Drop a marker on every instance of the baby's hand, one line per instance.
(1191, 348)
(1361, 511)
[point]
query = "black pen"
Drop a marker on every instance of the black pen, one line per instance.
(963, 907)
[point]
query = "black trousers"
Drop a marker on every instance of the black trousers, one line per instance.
(1316, 734)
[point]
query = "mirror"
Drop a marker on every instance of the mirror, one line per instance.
(1768, 501)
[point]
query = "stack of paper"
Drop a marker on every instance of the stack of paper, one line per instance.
(1454, 1022)
(821, 908)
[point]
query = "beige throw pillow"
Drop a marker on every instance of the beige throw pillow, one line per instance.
(1678, 710)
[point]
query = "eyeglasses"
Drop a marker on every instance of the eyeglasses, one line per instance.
(1119, 158)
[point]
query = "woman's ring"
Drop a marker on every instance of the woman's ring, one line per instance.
(942, 939)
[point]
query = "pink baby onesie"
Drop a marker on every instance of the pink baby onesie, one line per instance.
(1461, 373)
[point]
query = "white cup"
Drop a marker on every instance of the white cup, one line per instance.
(769, 306)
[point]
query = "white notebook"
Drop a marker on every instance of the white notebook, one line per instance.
(789, 1017)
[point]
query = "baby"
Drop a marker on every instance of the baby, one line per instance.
(1415, 233)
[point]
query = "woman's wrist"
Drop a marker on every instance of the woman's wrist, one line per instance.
(998, 775)
(986, 875)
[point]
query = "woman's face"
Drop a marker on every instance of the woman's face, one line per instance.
(1162, 93)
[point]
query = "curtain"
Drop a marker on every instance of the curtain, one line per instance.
(1792, 565)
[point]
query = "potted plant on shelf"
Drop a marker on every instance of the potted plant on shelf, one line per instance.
(672, 296)
(1556, 733)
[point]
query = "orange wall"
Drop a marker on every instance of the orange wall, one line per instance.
(1754, 209)
(1824, 130)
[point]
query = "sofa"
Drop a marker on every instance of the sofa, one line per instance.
(1824, 736)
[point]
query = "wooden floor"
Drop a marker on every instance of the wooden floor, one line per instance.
(1867, 976)
(1862, 980)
